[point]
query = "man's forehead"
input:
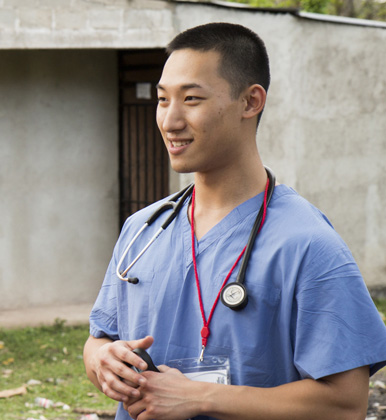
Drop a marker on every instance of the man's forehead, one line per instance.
(186, 86)
(194, 54)
(190, 69)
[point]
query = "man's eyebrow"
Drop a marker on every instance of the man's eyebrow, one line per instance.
(183, 87)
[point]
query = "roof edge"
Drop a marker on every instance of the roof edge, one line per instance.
(291, 10)
(239, 6)
(341, 19)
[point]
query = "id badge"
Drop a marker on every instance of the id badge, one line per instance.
(213, 369)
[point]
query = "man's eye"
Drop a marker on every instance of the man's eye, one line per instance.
(192, 98)
(161, 99)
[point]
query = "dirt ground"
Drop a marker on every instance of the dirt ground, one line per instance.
(377, 396)
(78, 314)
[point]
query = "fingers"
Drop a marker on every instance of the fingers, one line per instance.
(135, 408)
(117, 390)
(117, 380)
(163, 368)
(110, 371)
(164, 396)
(131, 358)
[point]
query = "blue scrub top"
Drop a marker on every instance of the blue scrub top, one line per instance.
(309, 313)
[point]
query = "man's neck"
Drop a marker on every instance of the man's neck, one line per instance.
(217, 196)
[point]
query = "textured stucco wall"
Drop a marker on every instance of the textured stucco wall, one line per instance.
(58, 175)
(85, 23)
(323, 131)
(324, 127)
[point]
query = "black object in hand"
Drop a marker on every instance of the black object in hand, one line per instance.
(144, 356)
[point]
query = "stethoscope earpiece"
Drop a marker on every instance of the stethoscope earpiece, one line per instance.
(132, 280)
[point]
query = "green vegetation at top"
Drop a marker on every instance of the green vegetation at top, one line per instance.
(361, 9)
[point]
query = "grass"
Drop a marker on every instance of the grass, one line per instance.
(53, 356)
(381, 305)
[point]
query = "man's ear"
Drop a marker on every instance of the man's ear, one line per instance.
(254, 100)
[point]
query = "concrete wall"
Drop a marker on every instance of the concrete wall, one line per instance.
(58, 174)
(323, 131)
(85, 23)
(324, 127)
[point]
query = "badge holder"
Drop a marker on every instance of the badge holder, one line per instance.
(213, 369)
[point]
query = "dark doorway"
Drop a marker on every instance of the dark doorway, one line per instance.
(143, 166)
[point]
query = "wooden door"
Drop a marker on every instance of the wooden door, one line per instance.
(144, 165)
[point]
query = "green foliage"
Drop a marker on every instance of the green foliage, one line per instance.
(370, 9)
(53, 356)
(381, 305)
(362, 9)
(314, 6)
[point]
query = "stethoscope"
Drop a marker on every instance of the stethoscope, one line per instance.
(234, 295)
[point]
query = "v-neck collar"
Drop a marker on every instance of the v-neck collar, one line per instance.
(224, 226)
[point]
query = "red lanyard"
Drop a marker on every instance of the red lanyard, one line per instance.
(205, 332)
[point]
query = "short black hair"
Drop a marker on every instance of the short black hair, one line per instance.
(244, 58)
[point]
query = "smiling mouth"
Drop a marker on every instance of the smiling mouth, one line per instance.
(181, 143)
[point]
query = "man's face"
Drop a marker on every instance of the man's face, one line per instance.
(198, 119)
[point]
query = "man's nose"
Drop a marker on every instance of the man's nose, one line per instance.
(171, 118)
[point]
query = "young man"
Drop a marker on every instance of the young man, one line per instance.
(303, 346)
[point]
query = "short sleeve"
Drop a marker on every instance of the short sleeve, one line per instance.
(103, 317)
(338, 327)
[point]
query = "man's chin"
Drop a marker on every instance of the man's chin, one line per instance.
(181, 169)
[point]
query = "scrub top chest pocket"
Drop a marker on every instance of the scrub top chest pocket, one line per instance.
(251, 326)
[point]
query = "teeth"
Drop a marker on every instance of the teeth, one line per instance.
(180, 143)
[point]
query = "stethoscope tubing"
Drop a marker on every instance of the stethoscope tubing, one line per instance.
(123, 273)
(252, 236)
(173, 204)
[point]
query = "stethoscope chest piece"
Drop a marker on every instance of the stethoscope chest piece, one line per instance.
(234, 296)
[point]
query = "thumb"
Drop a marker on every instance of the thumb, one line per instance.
(142, 343)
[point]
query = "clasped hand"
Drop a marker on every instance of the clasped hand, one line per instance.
(147, 395)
